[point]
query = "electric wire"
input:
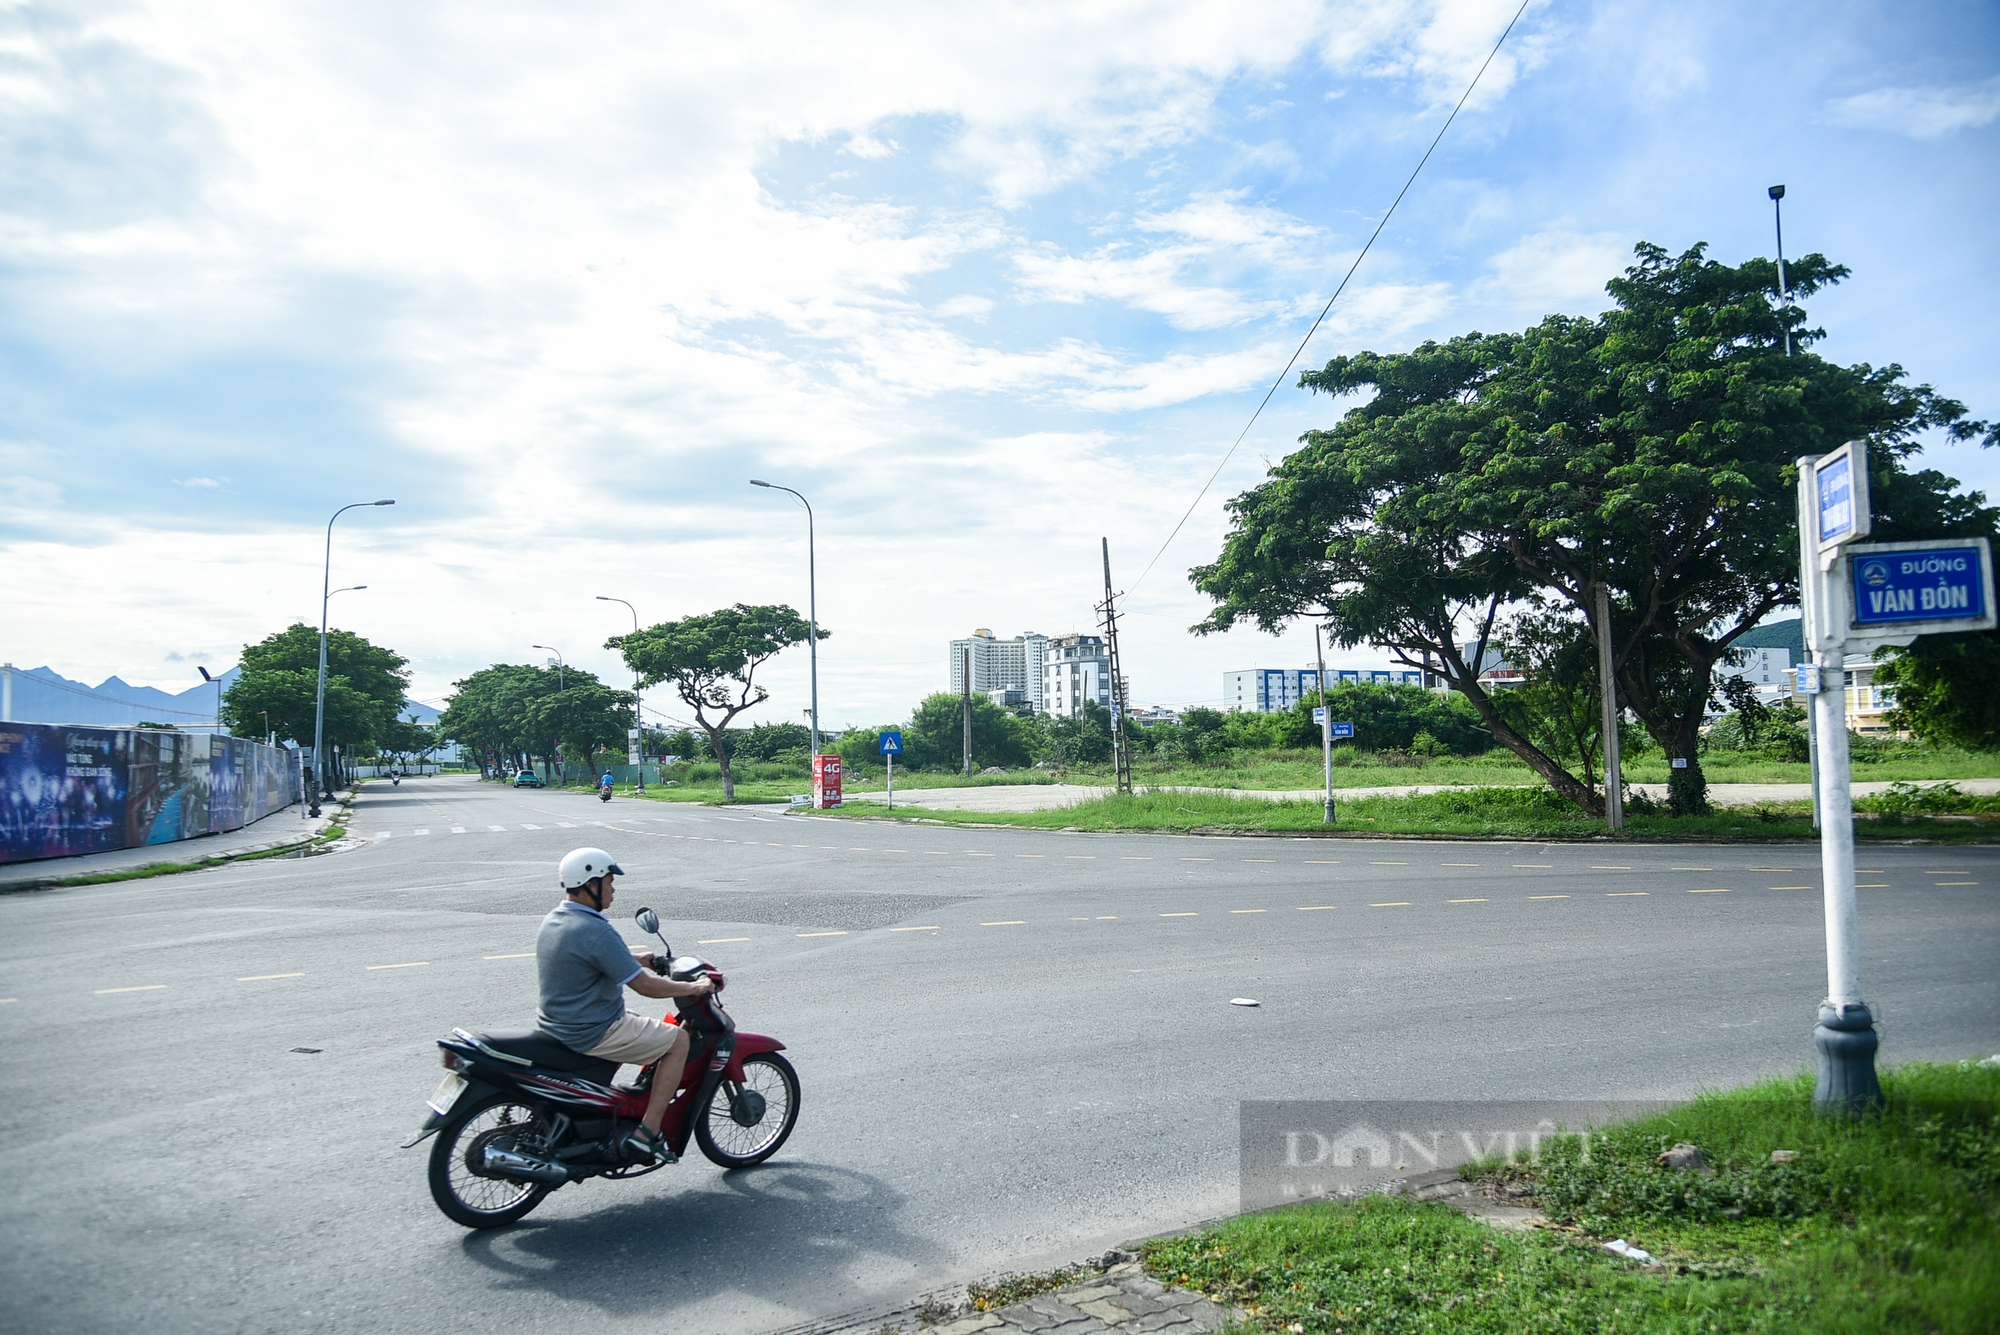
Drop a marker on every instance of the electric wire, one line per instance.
(1324, 311)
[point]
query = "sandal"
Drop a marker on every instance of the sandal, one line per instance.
(647, 1146)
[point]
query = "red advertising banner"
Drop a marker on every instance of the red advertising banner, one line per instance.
(826, 782)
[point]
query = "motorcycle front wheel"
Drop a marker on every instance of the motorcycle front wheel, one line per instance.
(473, 1199)
(745, 1124)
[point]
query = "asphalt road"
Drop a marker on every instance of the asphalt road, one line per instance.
(1016, 1046)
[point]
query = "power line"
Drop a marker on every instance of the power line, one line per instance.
(1300, 351)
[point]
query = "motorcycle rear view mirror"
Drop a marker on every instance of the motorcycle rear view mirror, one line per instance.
(649, 921)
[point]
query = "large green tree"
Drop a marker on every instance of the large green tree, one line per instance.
(934, 738)
(712, 661)
(278, 676)
(520, 710)
(1648, 451)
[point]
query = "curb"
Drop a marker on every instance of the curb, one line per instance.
(57, 881)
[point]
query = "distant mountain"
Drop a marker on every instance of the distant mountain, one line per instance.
(43, 695)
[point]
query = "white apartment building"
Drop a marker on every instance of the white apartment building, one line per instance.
(999, 665)
(1275, 690)
(1078, 668)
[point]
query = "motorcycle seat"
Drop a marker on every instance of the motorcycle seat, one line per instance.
(544, 1050)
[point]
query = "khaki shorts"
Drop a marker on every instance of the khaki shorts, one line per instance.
(636, 1040)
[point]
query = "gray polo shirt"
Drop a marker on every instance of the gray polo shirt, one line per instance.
(584, 965)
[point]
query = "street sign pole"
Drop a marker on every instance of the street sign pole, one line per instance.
(1828, 519)
(1857, 597)
(890, 744)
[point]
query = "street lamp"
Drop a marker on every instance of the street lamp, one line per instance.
(319, 695)
(1777, 194)
(812, 605)
(638, 717)
(218, 697)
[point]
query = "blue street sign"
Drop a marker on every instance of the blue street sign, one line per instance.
(1905, 584)
(1836, 500)
(1319, 714)
(890, 744)
(1343, 729)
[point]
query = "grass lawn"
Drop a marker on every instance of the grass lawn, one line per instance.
(1890, 1223)
(1499, 813)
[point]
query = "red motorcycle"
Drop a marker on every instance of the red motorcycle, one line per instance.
(520, 1114)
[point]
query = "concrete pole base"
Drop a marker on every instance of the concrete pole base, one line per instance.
(1846, 1038)
(1329, 813)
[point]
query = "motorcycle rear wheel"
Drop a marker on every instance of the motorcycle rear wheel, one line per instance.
(466, 1197)
(731, 1142)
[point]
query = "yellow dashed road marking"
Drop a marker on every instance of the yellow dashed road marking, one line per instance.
(114, 991)
(1321, 862)
(932, 928)
(1011, 922)
(267, 977)
(1626, 894)
(1534, 866)
(1458, 864)
(1388, 864)
(1197, 859)
(804, 934)
(1548, 896)
(1313, 908)
(1465, 901)
(1392, 904)
(722, 940)
(1595, 868)
(1031, 855)
(525, 955)
(1249, 910)
(1694, 869)
(1127, 857)
(1791, 887)
(1080, 857)
(1180, 915)
(413, 964)
(1711, 892)
(1260, 859)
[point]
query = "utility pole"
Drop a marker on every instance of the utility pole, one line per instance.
(1121, 754)
(1325, 723)
(1614, 779)
(965, 684)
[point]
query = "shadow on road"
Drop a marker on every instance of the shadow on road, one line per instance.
(773, 1232)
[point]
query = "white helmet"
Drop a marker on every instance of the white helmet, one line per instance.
(583, 865)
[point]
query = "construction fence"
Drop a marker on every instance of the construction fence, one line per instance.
(69, 790)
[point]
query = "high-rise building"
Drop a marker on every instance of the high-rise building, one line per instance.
(1078, 668)
(999, 665)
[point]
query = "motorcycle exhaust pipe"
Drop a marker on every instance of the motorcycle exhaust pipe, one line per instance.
(524, 1168)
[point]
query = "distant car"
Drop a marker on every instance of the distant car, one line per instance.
(527, 778)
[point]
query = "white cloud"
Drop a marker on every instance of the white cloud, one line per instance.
(1556, 270)
(196, 482)
(1920, 113)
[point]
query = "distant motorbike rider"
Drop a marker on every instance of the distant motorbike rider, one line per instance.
(584, 965)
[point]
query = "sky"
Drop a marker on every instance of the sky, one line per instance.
(988, 284)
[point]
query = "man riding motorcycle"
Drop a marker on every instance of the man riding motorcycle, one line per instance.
(584, 966)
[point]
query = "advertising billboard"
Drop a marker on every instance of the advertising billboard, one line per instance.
(70, 790)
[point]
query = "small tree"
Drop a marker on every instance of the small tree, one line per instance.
(711, 660)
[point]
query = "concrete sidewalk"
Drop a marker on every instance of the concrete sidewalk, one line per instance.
(277, 830)
(1053, 796)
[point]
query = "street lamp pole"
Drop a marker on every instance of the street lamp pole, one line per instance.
(319, 695)
(638, 717)
(217, 683)
(812, 605)
(1777, 194)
